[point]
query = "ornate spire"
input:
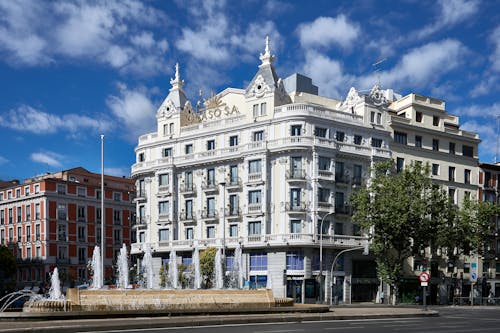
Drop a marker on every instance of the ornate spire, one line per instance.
(267, 58)
(176, 83)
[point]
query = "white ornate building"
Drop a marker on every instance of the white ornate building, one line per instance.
(262, 167)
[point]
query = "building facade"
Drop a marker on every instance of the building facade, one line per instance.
(54, 220)
(264, 167)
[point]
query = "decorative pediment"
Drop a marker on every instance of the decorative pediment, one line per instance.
(166, 109)
(189, 116)
(352, 98)
(260, 87)
(213, 102)
(377, 96)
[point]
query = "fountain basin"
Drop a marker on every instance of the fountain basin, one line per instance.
(186, 301)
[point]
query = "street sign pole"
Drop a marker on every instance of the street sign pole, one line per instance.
(424, 281)
(425, 298)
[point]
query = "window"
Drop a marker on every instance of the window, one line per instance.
(324, 163)
(211, 177)
(19, 235)
(61, 212)
(263, 109)
(254, 228)
(418, 117)
(233, 204)
(358, 171)
(18, 193)
(117, 236)
(233, 175)
(466, 176)
(163, 235)
(435, 144)
(11, 235)
(188, 149)
(189, 233)
(82, 254)
(211, 207)
(189, 209)
(188, 179)
(295, 198)
(166, 152)
(258, 261)
(2, 217)
(9, 195)
(117, 217)
(61, 189)
(320, 132)
(435, 120)
(171, 125)
(210, 144)
(81, 234)
(142, 237)
(233, 230)
(81, 213)
(258, 136)
(379, 118)
(467, 151)
(372, 117)
(400, 137)
(452, 148)
(28, 212)
(451, 194)
(295, 260)
(323, 194)
(98, 214)
(339, 171)
(296, 166)
(233, 140)
(358, 139)
(163, 179)
(38, 235)
(19, 214)
(163, 208)
(38, 253)
(211, 232)
(339, 228)
(377, 143)
(295, 130)
(37, 188)
(11, 217)
(295, 226)
(61, 232)
(254, 197)
(254, 166)
(339, 201)
(26, 191)
(400, 164)
(435, 169)
(2, 237)
(140, 157)
(339, 136)
(451, 174)
(418, 141)
(82, 192)
(255, 110)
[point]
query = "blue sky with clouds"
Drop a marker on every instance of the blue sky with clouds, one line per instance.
(71, 70)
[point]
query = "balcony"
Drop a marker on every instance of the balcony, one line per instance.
(210, 215)
(357, 181)
(255, 178)
(254, 209)
(211, 186)
(343, 209)
(164, 190)
(325, 174)
(62, 261)
(187, 189)
(164, 218)
(232, 213)
(341, 179)
(233, 184)
(295, 207)
(324, 206)
(140, 223)
(296, 175)
(187, 217)
(141, 196)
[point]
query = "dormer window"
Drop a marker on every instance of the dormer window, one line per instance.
(140, 157)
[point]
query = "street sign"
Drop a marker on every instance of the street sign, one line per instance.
(473, 271)
(424, 284)
(424, 277)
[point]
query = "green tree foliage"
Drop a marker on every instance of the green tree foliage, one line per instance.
(407, 213)
(207, 265)
(8, 268)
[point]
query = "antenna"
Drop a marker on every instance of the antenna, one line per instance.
(377, 69)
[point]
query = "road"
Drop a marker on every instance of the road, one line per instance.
(452, 320)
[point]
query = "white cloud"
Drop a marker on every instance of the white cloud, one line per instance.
(114, 33)
(134, 109)
(487, 134)
(479, 111)
(3, 160)
(451, 13)
(50, 158)
(327, 74)
(273, 7)
(118, 172)
(329, 31)
(27, 118)
(421, 66)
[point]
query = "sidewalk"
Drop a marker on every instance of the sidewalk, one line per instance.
(72, 325)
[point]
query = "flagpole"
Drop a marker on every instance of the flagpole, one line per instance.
(103, 213)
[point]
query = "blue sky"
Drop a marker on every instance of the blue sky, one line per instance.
(71, 70)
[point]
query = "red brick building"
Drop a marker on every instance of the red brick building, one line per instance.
(54, 220)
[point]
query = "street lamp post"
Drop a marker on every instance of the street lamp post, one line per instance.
(321, 257)
(223, 185)
(103, 213)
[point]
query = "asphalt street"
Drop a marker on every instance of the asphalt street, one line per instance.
(452, 320)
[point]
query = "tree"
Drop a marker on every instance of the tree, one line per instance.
(404, 210)
(8, 268)
(207, 265)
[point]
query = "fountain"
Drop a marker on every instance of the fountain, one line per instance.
(219, 275)
(197, 274)
(55, 286)
(122, 263)
(95, 265)
(147, 266)
(173, 273)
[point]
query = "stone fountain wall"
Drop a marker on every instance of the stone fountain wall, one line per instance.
(170, 300)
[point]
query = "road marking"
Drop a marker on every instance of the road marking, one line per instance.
(279, 331)
(342, 328)
(354, 321)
